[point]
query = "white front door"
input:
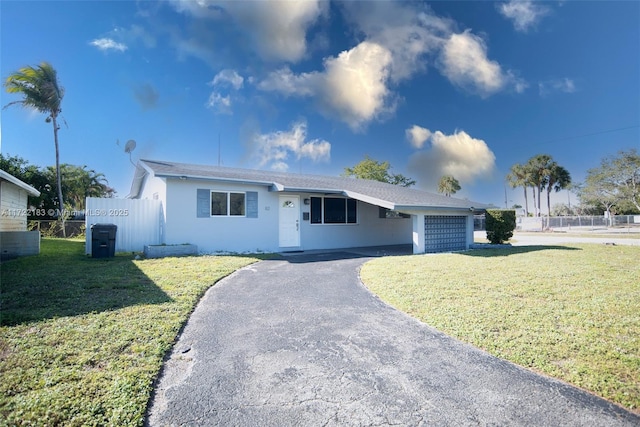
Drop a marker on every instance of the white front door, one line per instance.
(289, 214)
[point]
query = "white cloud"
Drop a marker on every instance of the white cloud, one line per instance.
(225, 79)
(228, 77)
(460, 155)
(464, 62)
(287, 83)
(417, 135)
(415, 36)
(564, 85)
(120, 38)
(276, 28)
(352, 87)
(354, 84)
(397, 41)
(218, 103)
(409, 31)
(106, 44)
(132, 35)
(273, 149)
(524, 14)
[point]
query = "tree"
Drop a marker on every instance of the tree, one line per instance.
(626, 167)
(616, 182)
(377, 171)
(518, 176)
(538, 168)
(558, 179)
(40, 90)
(500, 225)
(448, 185)
(79, 183)
(599, 189)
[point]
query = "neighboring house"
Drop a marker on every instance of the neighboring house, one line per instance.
(15, 240)
(240, 210)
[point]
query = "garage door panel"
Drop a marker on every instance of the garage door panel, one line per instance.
(445, 233)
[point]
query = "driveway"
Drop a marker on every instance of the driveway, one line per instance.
(299, 341)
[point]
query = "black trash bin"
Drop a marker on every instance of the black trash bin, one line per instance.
(103, 240)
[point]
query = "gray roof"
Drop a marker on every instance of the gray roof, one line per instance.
(374, 192)
(5, 176)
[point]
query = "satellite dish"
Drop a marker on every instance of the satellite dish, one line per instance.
(130, 146)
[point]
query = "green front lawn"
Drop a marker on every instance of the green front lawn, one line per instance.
(82, 339)
(572, 312)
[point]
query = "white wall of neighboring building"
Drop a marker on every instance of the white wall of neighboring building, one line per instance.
(13, 207)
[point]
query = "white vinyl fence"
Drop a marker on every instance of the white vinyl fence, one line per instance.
(139, 222)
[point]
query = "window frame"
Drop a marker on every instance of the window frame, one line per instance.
(228, 194)
(350, 211)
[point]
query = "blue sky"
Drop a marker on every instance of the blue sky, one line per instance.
(460, 88)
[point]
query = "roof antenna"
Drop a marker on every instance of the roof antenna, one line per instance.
(218, 148)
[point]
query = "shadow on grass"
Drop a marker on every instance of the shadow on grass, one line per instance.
(489, 252)
(63, 281)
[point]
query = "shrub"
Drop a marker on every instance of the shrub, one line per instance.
(500, 225)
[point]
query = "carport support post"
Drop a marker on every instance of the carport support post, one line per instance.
(418, 233)
(470, 231)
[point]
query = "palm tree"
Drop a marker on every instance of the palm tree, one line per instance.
(448, 185)
(539, 167)
(81, 182)
(558, 179)
(518, 176)
(41, 90)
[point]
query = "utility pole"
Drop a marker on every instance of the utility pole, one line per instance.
(505, 197)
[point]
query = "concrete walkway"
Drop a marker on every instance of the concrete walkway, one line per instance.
(300, 342)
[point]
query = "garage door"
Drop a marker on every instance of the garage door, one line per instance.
(445, 233)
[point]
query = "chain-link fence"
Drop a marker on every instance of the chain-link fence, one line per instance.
(566, 223)
(53, 228)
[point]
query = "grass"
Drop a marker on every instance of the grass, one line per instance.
(82, 340)
(571, 312)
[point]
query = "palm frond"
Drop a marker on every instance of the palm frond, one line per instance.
(39, 86)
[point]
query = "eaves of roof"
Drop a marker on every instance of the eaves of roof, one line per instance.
(12, 179)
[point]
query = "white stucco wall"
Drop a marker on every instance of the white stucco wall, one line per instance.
(243, 234)
(370, 230)
(154, 189)
(224, 234)
(240, 234)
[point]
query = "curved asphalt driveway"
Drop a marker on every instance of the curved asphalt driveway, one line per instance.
(300, 342)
